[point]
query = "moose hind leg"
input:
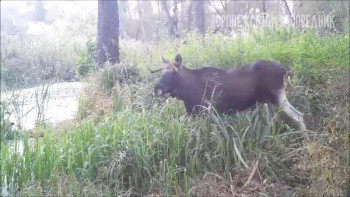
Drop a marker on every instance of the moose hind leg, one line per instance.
(290, 110)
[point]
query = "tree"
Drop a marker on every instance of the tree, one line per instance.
(172, 20)
(286, 9)
(199, 16)
(108, 32)
(264, 9)
(338, 9)
(189, 16)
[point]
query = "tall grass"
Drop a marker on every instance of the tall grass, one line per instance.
(28, 60)
(296, 50)
(136, 151)
(130, 143)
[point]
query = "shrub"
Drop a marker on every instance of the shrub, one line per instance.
(327, 154)
(29, 60)
(109, 91)
(297, 50)
(121, 73)
(7, 130)
(87, 59)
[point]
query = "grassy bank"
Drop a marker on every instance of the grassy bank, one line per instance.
(127, 142)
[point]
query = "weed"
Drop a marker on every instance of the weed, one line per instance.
(136, 144)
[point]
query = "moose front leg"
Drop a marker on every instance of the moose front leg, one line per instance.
(193, 109)
(189, 108)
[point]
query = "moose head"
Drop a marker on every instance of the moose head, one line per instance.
(173, 78)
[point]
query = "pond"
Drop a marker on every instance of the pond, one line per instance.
(50, 103)
(56, 102)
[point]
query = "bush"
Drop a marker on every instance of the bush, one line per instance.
(327, 154)
(7, 130)
(111, 89)
(122, 73)
(29, 60)
(87, 59)
(296, 50)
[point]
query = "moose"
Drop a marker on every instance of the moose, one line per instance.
(229, 91)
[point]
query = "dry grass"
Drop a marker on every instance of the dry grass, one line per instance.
(237, 185)
(94, 104)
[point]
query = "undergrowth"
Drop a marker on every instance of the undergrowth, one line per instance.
(128, 142)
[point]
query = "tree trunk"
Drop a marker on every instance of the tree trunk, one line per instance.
(264, 8)
(172, 20)
(285, 7)
(199, 16)
(189, 16)
(108, 32)
(175, 18)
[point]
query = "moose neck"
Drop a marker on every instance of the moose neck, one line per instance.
(189, 86)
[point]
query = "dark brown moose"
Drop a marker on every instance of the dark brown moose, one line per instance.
(230, 91)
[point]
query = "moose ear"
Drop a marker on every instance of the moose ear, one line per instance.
(165, 60)
(178, 59)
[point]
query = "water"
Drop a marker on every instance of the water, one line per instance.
(60, 104)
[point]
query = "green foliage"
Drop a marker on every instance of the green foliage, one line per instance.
(7, 131)
(134, 150)
(29, 60)
(299, 50)
(130, 143)
(87, 59)
(112, 75)
(327, 154)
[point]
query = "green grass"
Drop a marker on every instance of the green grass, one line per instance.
(296, 50)
(145, 145)
(135, 151)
